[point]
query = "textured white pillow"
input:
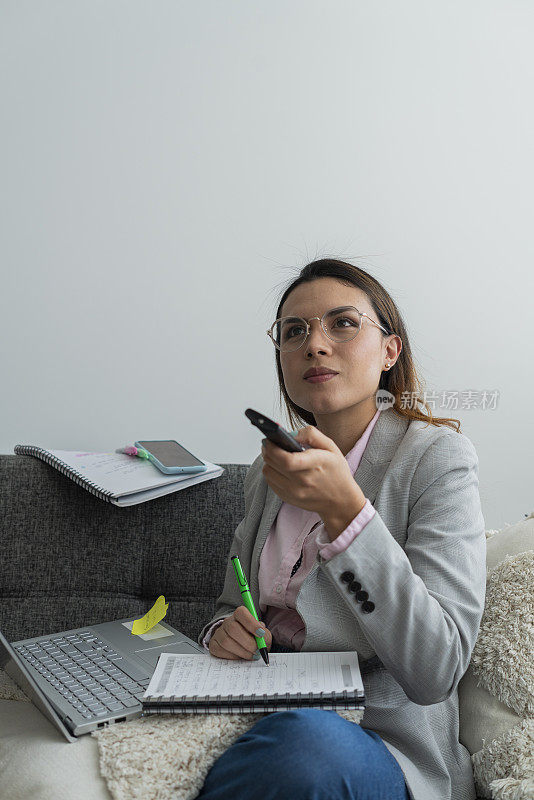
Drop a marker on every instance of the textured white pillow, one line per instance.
(496, 694)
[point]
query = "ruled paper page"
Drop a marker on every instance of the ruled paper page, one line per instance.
(122, 474)
(204, 675)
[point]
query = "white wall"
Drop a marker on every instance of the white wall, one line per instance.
(169, 162)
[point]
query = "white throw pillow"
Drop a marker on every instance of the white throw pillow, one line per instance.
(496, 694)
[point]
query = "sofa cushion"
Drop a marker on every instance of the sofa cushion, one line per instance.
(69, 559)
(36, 762)
(157, 757)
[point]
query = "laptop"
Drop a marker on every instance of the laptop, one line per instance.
(91, 677)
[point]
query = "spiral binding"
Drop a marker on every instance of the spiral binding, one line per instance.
(54, 461)
(238, 704)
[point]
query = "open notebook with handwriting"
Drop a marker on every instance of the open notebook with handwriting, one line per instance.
(115, 477)
(203, 684)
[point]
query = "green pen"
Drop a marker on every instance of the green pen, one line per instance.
(247, 600)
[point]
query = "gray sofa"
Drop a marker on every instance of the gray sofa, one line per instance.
(71, 559)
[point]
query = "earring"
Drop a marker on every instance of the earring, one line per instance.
(387, 366)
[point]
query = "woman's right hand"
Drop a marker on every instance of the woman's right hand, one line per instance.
(234, 638)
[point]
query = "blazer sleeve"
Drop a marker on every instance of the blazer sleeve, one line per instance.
(230, 597)
(428, 597)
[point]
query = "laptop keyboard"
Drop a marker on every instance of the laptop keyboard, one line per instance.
(88, 672)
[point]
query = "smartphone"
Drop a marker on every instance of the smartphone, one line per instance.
(275, 433)
(170, 457)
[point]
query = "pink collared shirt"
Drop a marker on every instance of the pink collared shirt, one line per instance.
(296, 531)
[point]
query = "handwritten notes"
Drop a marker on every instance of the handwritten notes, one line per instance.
(151, 618)
(181, 674)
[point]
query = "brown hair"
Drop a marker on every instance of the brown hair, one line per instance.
(401, 380)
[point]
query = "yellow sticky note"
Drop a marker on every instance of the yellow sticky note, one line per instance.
(151, 618)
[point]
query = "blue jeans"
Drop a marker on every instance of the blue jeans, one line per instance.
(305, 754)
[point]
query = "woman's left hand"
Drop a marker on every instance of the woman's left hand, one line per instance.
(318, 479)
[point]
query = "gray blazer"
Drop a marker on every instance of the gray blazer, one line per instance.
(422, 562)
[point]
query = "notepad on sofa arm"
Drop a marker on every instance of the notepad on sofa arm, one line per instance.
(203, 684)
(118, 478)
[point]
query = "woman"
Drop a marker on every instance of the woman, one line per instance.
(371, 541)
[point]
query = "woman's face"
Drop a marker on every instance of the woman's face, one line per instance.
(358, 362)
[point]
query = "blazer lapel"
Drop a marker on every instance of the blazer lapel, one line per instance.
(383, 442)
(273, 503)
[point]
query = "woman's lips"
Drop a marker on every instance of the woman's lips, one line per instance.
(321, 378)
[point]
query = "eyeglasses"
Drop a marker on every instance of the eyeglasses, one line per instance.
(339, 324)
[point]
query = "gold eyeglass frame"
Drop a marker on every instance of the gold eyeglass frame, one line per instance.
(361, 314)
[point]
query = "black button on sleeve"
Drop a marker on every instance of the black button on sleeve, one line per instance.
(347, 577)
(368, 606)
(355, 586)
(362, 595)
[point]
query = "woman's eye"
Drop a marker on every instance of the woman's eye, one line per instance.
(291, 330)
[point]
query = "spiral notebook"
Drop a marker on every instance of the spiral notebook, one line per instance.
(203, 684)
(116, 477)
